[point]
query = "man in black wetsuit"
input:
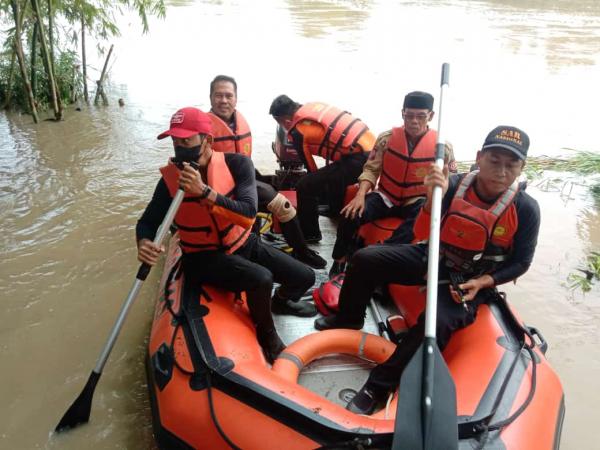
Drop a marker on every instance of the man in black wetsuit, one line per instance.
(214, 223)
(488, 237)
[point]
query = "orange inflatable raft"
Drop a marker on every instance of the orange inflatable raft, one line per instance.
(211, 387)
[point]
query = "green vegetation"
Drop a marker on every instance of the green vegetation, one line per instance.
(68, 79)
(40, 69)
(584, 163)
(590, 274)
(581, 163)
(596, 191)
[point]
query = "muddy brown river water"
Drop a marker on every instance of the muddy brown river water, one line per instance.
(71, 192)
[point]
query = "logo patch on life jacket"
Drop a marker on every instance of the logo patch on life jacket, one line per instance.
(457, 232)
(421, 172)
(246, 149)
(499, 231)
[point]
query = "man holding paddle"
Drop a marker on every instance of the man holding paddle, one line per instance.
(214, 223)
(393, 174)
(488, 237)
(211, 197)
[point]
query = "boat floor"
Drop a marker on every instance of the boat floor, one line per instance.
(336, 377)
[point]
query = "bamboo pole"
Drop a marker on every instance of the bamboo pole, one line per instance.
(52, 61)
(33, 56)
(83, 61)
(48, 66)
(21, 58)
(51, 33)
(11, 77)
(72, 90)
(100, 82)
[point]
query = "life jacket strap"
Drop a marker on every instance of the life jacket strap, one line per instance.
(328, 133)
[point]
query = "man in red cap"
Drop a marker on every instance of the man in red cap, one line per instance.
(214, 223)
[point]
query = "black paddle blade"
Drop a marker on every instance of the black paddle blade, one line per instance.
(409, 428)
(79, 411)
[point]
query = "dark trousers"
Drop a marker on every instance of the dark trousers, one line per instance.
(328, 184)
(252, 268)
(403, 264)
(266, 194)
(346, 242)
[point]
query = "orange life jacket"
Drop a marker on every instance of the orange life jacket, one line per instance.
(402, 173)
(225, 140)
(200, 229)
(343, 130)
(474, 239)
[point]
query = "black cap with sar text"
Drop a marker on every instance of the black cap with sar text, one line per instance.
(508, 138)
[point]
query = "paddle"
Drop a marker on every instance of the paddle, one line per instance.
(79, 411)
(381, 326)
(426, 385)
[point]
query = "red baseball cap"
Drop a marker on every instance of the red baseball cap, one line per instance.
(188, 122)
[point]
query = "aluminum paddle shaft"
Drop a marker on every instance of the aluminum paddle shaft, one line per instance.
(79, 411)
(426, 412)
(436, 214)
(142, 273)
(430, 344)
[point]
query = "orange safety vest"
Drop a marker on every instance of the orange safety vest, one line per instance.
(343, 130)
(200, 229)
(471, 237)
(402, 173)
(225, 140)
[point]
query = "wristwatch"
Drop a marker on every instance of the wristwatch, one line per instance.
(205, 191)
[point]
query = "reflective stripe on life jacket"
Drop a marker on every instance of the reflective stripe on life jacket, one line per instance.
(199, 229)
(225, 140)
(402, 173)
(468, 231)
(342, 130)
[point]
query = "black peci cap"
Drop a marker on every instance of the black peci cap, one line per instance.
(418, 100)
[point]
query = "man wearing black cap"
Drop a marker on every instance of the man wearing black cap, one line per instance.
(319, 129)
(488, 237)
(214, 223)
(399, 161)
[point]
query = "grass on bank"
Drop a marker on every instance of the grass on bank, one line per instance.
(582, 162)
